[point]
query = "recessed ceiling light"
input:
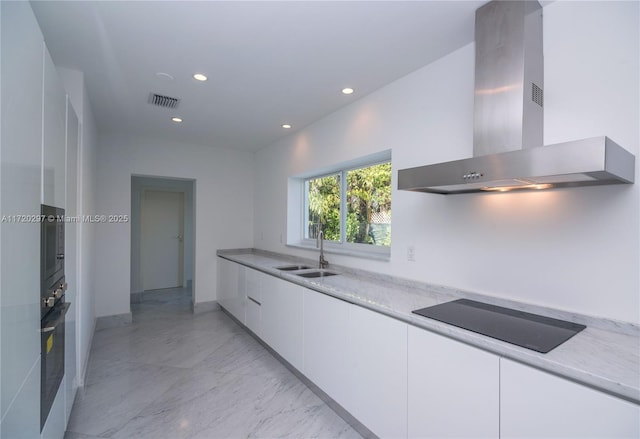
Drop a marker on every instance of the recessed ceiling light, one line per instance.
(347, 90)
(176, 119)
(286, 126)
(199, 77)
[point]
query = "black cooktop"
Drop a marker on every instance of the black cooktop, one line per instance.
(524, 329)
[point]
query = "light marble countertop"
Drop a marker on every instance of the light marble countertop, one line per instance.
(605, 355)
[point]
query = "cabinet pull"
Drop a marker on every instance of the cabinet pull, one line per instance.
(254, 300)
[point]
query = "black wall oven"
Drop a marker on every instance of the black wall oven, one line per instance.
(51, 257)
(53, 307)
(52, 362)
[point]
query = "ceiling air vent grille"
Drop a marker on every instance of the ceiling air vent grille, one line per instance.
(163, 101)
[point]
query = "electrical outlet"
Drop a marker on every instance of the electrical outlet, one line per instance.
(411, 253)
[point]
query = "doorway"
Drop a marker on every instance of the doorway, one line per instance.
(162, 238)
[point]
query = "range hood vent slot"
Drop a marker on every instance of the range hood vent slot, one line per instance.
(537, 95)
(163, 101)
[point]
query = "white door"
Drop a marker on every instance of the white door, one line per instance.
(162, 230)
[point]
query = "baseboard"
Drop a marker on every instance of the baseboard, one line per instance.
(113, 321)
(136, 297)
(209, 306)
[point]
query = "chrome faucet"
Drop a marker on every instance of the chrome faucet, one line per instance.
(320, 244)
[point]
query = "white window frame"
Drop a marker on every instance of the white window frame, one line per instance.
(297, 210)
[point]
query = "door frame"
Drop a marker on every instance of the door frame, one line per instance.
(139, 182)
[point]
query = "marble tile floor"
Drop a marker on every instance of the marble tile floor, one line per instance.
(174, 374)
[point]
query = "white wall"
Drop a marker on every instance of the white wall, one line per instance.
(573, 249)
(223, 208)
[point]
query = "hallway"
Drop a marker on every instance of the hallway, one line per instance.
(174, 374)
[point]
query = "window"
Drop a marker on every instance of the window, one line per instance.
(351, 206)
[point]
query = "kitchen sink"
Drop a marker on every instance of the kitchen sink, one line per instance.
(293, 267)
(314, 274)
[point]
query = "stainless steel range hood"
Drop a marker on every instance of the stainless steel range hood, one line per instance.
(508, 120)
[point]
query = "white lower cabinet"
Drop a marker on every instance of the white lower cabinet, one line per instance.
(326, 324)
(281, 318)
(359, 358)
(231, 288)
(270, 307)
(224, 282)
(453, 388)
(290, 328)
(377, 372)
(269, 311)
(254, 280)
(536, 404)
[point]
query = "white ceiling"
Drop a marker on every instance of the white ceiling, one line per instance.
(268, 62)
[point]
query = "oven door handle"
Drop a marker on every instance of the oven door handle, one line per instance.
(51, 325)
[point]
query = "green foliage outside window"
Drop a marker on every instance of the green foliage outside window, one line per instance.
(369, 192)
(324, 207)
(367, 203)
